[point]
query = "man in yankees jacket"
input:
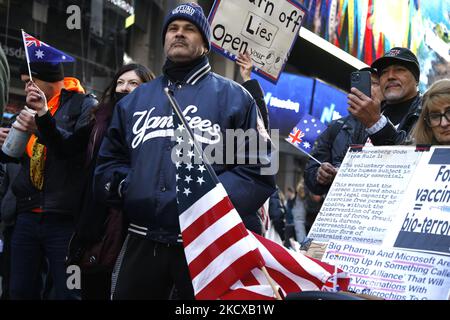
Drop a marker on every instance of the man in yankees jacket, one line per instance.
(135, 169)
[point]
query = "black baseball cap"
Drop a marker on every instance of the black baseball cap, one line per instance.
(398, 55)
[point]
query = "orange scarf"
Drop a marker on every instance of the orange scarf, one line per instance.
(35, 150)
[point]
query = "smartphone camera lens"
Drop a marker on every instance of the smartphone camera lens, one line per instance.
(355, 77)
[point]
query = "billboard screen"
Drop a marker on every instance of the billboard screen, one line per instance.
(287, 101)
(295, 95)
(329, 103)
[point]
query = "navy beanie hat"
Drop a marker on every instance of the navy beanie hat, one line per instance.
(45, 71)
(193, 13)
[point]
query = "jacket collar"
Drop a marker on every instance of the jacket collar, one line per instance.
(198, 72)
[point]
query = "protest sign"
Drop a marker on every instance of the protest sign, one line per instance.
(391, 274)
(267, 30)
(365, 195)
(423, 222)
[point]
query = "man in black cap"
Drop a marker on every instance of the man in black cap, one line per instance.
(399, 77)
(399, 74)
(138, 147)
(49, 184)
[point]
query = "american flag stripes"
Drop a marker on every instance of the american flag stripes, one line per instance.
(292, 271)
(219, 250)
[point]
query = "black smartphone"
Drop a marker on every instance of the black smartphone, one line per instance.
(361, 81)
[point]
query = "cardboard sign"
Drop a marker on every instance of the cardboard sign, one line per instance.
(265, 29)
(365, 195)
(391, 274)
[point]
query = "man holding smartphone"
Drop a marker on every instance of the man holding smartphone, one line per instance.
(399, 76)
(333, 144)
(390, 124)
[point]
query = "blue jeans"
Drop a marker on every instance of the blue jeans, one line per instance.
(39, 236)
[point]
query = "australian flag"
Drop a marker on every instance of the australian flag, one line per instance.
(305, 133)
(39, 51)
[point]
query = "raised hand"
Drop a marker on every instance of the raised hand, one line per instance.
(36, 98)
(245, 63)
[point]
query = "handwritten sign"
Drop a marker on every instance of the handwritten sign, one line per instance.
(265, 29)
(392, 274)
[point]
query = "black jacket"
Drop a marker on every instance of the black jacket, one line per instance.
(65, 135)
(334, 142)
(8, 203)
(253, 87)
(277, 213)
(254, 222)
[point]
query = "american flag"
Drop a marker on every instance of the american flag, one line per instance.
(39, 51)
(224, 258)
(219, 250)
(292, 272)
(305, 133)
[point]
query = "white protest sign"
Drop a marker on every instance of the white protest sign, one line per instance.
(423, 222)
(265, 29)
(365, 195)
(391, 274)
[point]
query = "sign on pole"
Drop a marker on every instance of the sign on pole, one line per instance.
(267, 30)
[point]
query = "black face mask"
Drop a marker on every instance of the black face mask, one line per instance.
(118, 96)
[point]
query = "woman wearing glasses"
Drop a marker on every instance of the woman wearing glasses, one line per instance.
(433, 126)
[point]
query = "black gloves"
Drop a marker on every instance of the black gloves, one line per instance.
(114, 190)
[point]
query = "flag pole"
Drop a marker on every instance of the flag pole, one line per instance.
(320, 163)
(177, 109)
(26, 55)
(274, 288)
(335, 274)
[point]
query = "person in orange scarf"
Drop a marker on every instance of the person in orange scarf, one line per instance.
(49, 185)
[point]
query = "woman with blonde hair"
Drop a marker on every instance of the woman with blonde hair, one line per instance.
(433, 126)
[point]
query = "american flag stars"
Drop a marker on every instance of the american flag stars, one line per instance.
(190, 175)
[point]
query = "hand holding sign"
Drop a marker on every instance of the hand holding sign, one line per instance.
(266, 30)
(245, 65)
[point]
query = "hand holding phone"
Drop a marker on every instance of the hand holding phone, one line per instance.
(361, 80)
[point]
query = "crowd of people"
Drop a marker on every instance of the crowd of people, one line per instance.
(96, 185)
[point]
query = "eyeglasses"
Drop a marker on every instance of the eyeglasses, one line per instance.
(435, 119)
